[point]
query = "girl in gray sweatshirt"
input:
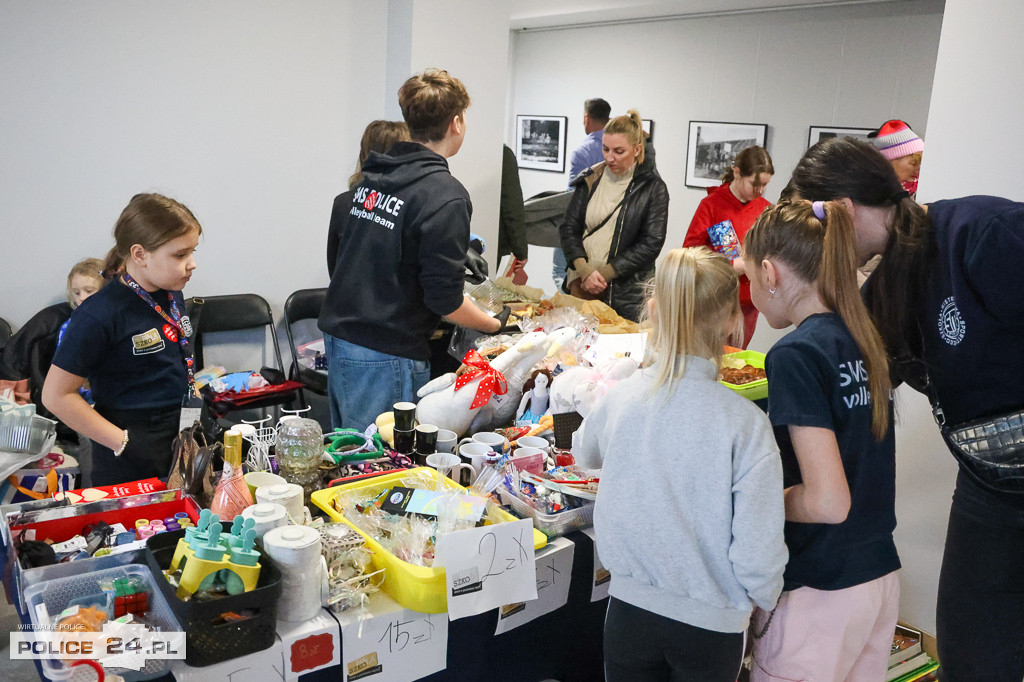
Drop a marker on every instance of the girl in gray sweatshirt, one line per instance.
(690, 516)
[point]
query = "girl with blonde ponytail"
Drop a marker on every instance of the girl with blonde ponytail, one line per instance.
(701, 466)
(830, 404)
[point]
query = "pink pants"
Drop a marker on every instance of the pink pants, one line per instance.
(828, 636)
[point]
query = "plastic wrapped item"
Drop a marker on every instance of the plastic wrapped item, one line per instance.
(299, 450)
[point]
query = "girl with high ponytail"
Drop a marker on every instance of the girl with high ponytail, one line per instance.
(707, 545)
(831, 409)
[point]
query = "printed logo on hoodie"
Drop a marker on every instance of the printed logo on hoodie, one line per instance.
(374, 202)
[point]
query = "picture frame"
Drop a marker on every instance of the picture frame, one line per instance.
(818, 133)
(647, 125)
(540, 142)
(712, 146)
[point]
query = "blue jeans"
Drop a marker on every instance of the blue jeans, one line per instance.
(558, 268)
(981, 595)
(363, 383)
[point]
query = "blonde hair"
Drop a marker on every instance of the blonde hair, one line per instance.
(88, 267)
(824, 252)
(695, 296)
(631, 126)
(378, 137)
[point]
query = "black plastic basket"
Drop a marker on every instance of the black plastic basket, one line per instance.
(208, 641)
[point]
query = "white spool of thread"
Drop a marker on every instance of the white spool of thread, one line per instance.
(296, 549)
(288, 495)
(267, 515)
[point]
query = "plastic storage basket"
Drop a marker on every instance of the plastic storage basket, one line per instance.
(417, 588)
(208, 638)
(49, 599)
(552, 525)
(755, 390)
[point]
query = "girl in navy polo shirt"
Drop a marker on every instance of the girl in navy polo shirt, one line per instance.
(831, 410)
(130, 341)
(947, 300)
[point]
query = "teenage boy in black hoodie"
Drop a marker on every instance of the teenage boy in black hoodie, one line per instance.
(403, 232)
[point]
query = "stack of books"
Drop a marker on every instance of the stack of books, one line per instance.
(908, 662)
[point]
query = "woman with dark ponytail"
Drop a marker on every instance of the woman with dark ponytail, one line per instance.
(946, 299)
(130, 340)
(831, 410)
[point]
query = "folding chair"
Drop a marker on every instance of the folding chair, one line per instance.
(240, 312)
(304, 305)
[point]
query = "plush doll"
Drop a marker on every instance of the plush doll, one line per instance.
(534, 403)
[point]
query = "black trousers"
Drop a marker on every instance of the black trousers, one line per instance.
(151, 433)
(980, 612)
(640, 646)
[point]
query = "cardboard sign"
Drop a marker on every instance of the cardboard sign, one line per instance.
(487, 567)
(393, 644)
(602, 578)
(554, 573)
(310, 645)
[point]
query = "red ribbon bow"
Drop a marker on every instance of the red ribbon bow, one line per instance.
(492, 382)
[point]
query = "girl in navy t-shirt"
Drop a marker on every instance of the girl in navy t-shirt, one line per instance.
(831, 410)
(130, 341)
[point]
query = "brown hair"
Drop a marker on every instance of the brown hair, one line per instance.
(844, 167)
(88, 267)
(824, 252)
(751, 161)
(150, 220)
(429, 102)
(631, 126)
(531, 383)
(378, 137)
(695, 295)
(597, 109)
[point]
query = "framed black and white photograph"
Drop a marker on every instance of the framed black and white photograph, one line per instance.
(648, 128)
(819, 133)
(540, 142)
(713, 145)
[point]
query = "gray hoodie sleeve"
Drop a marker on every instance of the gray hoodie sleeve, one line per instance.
(758, 550)
(588, 451)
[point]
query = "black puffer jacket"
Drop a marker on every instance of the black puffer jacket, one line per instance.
(639, 233)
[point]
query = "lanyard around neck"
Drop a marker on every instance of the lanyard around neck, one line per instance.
(172, 316)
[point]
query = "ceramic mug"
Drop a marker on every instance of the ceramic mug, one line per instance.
(476, 455)
(447, 440)
(534, 442)
(448, 464)
(495, 441)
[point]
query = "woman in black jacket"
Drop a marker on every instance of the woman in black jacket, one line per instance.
(615, 225)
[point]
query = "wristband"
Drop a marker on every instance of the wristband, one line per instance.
(124, 444)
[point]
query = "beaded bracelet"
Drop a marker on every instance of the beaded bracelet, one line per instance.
(124, 444)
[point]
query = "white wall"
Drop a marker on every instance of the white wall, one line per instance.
(248, 112)
(850, 66)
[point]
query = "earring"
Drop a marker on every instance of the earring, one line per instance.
(772, 292)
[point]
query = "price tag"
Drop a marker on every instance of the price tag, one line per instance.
(602, 578)
(487, 567)
(554, 572)
(394, 644)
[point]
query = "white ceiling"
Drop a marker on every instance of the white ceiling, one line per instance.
(534, 14)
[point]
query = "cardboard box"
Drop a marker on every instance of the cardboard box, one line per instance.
(310, 645)
(262, 666)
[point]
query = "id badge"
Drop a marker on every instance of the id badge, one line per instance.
(191, 409)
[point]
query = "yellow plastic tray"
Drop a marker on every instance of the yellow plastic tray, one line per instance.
(755, 390)
(417, 588)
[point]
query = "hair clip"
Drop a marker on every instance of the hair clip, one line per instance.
(819, 209)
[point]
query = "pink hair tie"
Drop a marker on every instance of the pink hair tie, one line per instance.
(819, 209)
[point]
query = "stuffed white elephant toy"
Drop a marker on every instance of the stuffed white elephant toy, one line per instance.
(450, 407)
(578, 389)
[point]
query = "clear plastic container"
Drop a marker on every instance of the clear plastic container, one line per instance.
(298, 450)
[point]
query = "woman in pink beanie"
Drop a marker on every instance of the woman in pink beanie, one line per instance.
(903, 148)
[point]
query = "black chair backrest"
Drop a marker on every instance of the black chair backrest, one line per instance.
(304, 304)
(233, 312)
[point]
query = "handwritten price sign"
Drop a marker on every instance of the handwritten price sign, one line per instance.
(394, 645)
(554, 572)
(488, 566)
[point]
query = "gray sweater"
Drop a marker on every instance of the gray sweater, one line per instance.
(689, 519)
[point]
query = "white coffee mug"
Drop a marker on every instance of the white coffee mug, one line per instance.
(534, 442)
(448, 464)
(477, 455)
(495, 441)
(447, 440)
